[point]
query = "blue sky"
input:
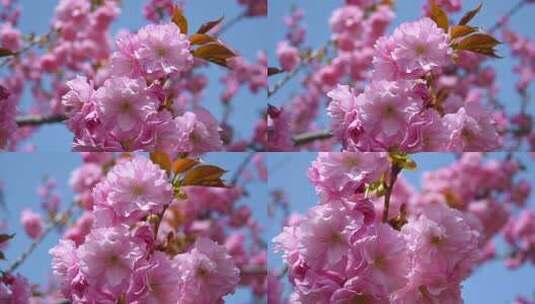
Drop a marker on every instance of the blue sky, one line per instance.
(317, 14)
(22, 172)
(490, 284)
(244, 37)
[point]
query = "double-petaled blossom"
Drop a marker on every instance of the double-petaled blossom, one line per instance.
(207, 273)
(431, 241)
(131, 190)
(32, 222)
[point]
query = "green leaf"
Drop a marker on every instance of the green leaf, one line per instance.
(402, 160)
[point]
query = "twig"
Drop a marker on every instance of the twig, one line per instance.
(394, 172)
(37, 120)
(240, 169)
(507, 15)
(34, 41)
(253, 270)
(56, 220)
(304, 62)
(227, 25)
(283, 272)
(306, 138)
(160, 219)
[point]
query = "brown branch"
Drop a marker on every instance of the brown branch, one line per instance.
(304, 61)
(37, 120)
(227, 25)
(241, 167)
(389, 186)
(35, 40)
(513, 10)
(306, 138)
(253, 270)
(54, 222)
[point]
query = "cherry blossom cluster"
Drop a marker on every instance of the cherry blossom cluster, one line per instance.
(116, 258)
(355, 33)
(71, 76)
(140, 238)
(447, 91)
(76, 41)
(523, 49)
(374, 238)
(255, 7)
(396, 111)
(124, 113)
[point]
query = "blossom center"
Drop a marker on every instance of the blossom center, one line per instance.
(467, 135)
(380, 262)
(421, 49)
(125, 106)
(201, 272)
(335, 238)
(113, 260)
(351, 162)
(436, 240)
(161, 51)
(138, 190)
(389, 111)
(360, 299)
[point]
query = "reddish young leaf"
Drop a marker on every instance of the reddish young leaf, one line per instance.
(184, 164)
(203, 175)
(6, 52)
(5, 237)
(477, 41)
(439, 16)
(200, 39)
(180, 20)
(206, 27)
(161, 159)
(214, 52)
(458, 31)
(274, 71)
(470, 15)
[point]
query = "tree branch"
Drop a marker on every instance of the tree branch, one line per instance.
(389, 186)
(55, 221)
(306, 138)
(37, 120)
(227, 25)
(507, 15)
(240, 169)
(304, 62)
(253, 270)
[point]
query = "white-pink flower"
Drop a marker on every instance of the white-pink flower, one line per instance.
(207, 273)
(108, 258)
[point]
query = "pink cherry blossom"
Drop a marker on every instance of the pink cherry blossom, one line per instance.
(162, 50)
(108, 258)
(133, 189)
(32, 222)
(207, 273)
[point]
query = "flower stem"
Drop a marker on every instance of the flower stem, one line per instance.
(389, 186)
